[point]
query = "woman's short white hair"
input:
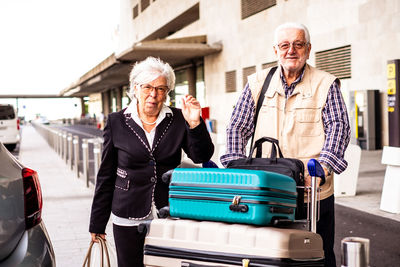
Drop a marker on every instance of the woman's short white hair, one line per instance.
(148, 70)
(291, 25)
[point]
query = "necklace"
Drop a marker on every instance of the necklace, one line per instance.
(148, 123)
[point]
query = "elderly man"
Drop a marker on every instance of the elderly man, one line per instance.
(304, 109)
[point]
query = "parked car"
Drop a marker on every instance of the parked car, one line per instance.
(9, 127)
(24, 240)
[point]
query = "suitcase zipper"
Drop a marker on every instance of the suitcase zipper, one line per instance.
(215, 187)
(249, 201)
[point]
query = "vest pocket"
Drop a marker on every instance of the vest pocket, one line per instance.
(309, 122)
(308, 115)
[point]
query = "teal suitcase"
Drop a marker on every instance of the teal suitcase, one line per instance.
(231, 195)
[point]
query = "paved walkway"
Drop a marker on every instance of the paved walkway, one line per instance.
(66, 200)
(369, 186)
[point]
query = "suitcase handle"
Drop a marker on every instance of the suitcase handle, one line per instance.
(163, 212)
(239, 208)
(258, 148)
(236, 206)
(166, 177)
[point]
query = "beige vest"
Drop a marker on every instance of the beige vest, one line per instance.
(297, 121)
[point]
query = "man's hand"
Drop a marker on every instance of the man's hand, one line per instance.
(307, 180)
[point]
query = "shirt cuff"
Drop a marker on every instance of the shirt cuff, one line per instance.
(225, 159)
(337, 164)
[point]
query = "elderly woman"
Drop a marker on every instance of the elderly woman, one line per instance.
(142, 142)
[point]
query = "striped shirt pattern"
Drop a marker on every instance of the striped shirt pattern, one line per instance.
(334, 116)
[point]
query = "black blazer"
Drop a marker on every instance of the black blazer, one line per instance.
(129, 177)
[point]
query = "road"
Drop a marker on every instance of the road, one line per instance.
(383, 233)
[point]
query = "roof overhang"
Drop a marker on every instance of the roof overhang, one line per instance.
(174, 51)
(114, 70)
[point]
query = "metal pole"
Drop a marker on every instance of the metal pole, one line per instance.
(76, 154)
(69, 139)
(65, 146)
(97, 156)
(54, 136)
(85, 159)
(313, 223)
(59, 143)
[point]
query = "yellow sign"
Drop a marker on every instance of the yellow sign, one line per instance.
(391, 71)
(245, 262)
(391, 87)
(391, 109)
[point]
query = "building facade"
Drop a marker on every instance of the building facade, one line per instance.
(214, 45)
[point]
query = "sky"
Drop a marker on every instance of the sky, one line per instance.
(48, 44)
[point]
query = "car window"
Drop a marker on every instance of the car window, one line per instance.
(6, 113)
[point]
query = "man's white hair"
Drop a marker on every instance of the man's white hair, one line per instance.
(148, 70)
(291, 25)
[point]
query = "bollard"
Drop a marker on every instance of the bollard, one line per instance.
(59, 150)
(85, 160)
(76, 154)
(69, 140)
(55, 137)
(65, 147)
(97, 156)
(355, 252)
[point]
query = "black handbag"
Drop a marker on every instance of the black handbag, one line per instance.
(288, 166)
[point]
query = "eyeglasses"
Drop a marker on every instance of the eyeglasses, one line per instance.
(297, 45)
(147, 89)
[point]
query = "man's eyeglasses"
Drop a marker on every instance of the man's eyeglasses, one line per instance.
(147, 89)
(296, 45)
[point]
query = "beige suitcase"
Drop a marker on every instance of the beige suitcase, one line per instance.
(188, 243)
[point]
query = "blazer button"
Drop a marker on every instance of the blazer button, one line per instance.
(153, 179)
(151, 162)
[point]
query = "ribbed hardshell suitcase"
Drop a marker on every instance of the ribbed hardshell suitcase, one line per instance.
(231, 195)
(177, 243)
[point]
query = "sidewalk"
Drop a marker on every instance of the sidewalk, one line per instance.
(369, 186)
(66, 200)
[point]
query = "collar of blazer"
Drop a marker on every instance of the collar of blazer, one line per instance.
(138, 131)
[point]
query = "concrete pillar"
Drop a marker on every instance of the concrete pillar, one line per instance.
(191, 75)
(82, 106)
(119, 98)
(105, 99)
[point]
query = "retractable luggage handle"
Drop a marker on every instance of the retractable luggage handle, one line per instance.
(315, 170)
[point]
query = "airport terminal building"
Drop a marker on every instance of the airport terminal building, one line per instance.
(213, 45)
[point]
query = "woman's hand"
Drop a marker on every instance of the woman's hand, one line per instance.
(191, 110)
(93, 235)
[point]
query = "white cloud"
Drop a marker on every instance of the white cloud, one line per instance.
(48, 44)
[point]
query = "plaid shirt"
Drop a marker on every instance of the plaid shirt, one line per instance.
(334, 116)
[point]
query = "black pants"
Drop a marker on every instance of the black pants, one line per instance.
(129, 246)
(326, 229)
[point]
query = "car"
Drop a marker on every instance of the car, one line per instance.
(24, 240)
(9, 127)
